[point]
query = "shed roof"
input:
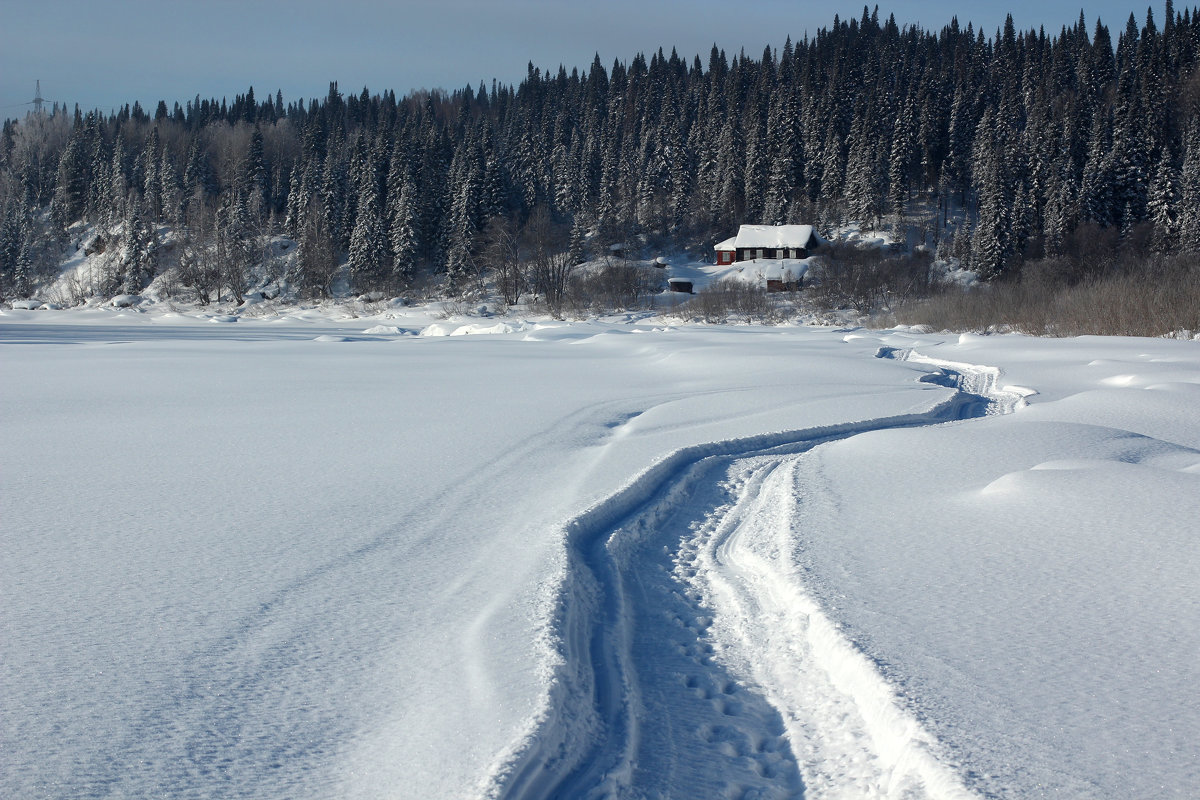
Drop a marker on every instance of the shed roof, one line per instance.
(784, 269)
(775, 236)
(728, 244)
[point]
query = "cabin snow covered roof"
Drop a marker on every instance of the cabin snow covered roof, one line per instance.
(728, 244)
(774, 236)
(785, 269)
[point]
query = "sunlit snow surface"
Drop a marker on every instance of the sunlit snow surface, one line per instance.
(315, 558)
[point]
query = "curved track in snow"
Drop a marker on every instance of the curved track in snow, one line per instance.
(696, 665)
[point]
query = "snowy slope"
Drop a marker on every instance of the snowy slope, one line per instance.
(302, 557)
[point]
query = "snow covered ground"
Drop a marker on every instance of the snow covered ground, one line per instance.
(299, 555)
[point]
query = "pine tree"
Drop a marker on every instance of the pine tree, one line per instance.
(462, 231)
(16, 262)
(140, 258)
(900, 161)
(754, 191)
(730, 200)
(170, 190)
(1189, 193)
(864, 174)
(991, 242)
(22, 278)
(297, 202)
(71, 187)
(255, 174)
(334, 182)
(404, 235)
(369, 257)
(786, 173)
(100, 189)
(148, 166)
(1058, 217)
(833, 168)
(1096, 200)
(197, 177)
(1163, 207)
(10, 241)
(960, 137)
(118, 182)
(237, 241)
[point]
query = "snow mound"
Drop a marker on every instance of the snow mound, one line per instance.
(385, 330)
(474, 329)
(480, 329)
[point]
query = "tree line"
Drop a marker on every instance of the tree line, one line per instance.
(1007, 148)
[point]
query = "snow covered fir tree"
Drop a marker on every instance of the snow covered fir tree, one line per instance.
(1060, 150)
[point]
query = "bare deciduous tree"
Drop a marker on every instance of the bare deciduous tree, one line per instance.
(549, 262)
(199, 266)
(318, 258)
(503, 256)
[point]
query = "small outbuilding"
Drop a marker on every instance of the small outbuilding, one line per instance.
(679, 285)
(785, 276)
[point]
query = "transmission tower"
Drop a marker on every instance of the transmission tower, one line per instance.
(37, 102)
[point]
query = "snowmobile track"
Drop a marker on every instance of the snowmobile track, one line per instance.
(643, 705)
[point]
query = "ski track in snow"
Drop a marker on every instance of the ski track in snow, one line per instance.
(694, 662)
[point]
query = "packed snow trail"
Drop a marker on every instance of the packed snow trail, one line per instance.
(679, 565)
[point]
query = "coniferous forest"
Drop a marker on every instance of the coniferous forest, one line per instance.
(1006, 149)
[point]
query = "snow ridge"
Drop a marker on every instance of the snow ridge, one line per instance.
(693, 662)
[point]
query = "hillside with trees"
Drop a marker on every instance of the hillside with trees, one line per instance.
(1058, 150)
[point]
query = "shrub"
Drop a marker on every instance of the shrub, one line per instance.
(867, 280)
(616, 286)
(1150, 296)
(731, 299)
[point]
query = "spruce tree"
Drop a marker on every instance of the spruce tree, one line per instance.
(1189, 192)
(148, 167)
(404, 234)
(140, 249)
(1163, 207)
(255, 174)
(71, 187)
(369, 257)
(170, 190)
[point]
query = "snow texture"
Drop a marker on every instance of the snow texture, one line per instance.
(302, 556)
(773, 236)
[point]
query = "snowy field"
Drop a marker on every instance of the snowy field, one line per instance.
(303, 556)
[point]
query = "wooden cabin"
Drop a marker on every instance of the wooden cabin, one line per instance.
(768, 241)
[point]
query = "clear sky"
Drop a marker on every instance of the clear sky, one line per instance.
(102, 54)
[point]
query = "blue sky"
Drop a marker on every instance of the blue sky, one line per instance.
(103, 54)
